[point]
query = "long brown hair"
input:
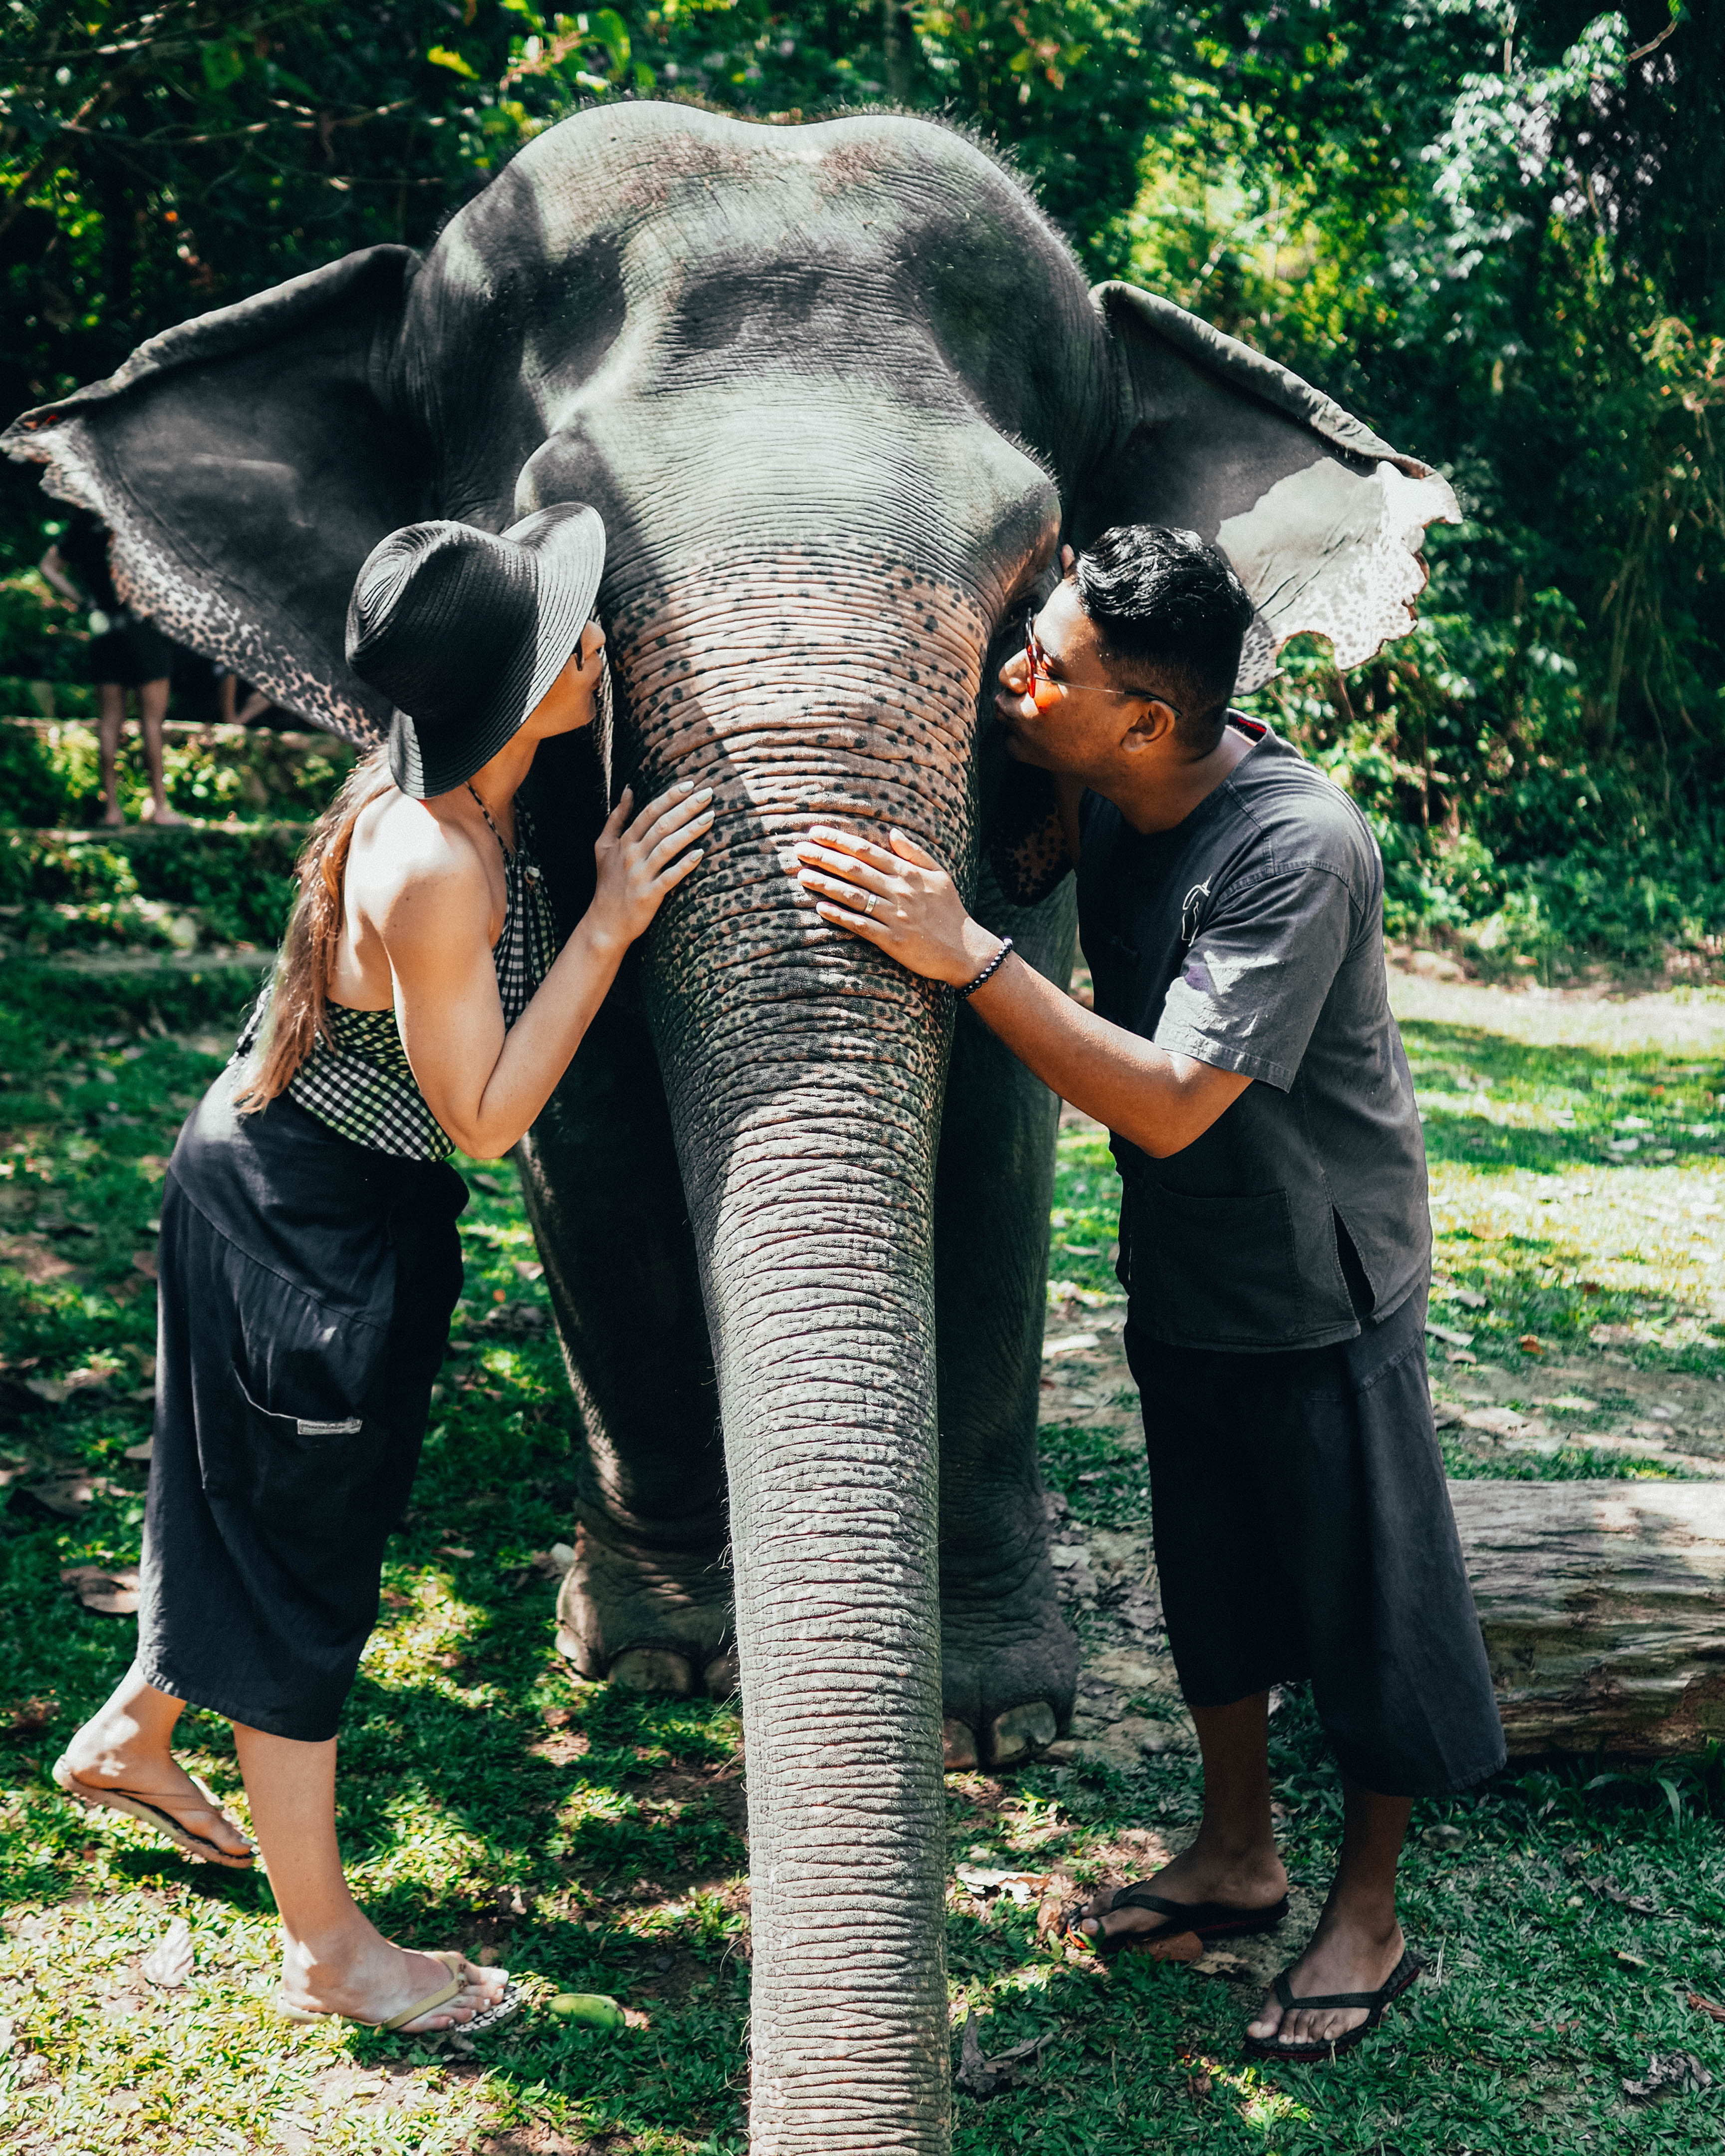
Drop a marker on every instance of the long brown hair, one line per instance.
(299, 994)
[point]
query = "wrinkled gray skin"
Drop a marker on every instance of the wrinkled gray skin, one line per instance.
(837, 391)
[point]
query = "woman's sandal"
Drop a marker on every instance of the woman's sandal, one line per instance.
(1202, 1920)
(153, 1812)
(1398, 1980)
(509, 2003)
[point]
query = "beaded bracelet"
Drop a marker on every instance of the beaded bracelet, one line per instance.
(988, 971)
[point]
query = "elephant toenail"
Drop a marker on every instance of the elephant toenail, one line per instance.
(957, 1746)
(720, 1676)
(653, 1669)
(1021, 1731)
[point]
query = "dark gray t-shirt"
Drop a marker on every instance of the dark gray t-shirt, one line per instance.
(1251, 937)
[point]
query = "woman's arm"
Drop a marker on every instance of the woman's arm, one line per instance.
(1161, 1103)
(486, 1086)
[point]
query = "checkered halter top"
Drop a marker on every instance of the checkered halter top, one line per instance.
(359, 1082)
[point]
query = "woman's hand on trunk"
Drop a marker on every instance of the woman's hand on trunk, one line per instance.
(902, 901)
(639, 866)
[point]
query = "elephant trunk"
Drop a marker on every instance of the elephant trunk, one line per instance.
(804, 1073)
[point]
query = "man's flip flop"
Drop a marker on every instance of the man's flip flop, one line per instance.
(152, 1813)
(1205, 1920)
(1400, 1978)
(508, 2005)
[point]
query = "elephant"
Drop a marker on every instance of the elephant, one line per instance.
(839, 391)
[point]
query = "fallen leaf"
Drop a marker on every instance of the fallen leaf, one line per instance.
(30, 1716)
(1639, 1903)
(1449, 1335)
(980, 2076)
(1470, 1298)
(168, 1963)
(1024, 1887)
(529, 1269)
(486, 1182)
(1626, 1960)
(1198, 2086)
(1710, 2007)
(1219, 1963)
(454, 1550)
(1668, 2076)
(109, 1593)
(1530, 1344)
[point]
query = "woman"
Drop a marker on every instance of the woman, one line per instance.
(127, 653)
(309, 1257)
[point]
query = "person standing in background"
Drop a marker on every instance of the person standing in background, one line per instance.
(126, 652)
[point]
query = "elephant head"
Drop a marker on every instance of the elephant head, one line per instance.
(838, 392)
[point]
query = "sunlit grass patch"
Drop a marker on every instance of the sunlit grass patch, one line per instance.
(590, 1839)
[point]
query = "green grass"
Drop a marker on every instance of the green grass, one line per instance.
(592, 1840)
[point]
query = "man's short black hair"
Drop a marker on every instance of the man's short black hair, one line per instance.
(1167, 606)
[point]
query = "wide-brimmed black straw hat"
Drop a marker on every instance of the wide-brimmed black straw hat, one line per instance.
(465, 630)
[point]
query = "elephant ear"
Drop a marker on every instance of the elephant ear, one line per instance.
(246, 463)
(1322, 519)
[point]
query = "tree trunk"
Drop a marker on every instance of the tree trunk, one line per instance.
(1603, 1605)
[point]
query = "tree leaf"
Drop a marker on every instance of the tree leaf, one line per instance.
(169, 1963)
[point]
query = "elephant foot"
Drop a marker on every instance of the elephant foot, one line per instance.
(1009, 1667)
(1012, 1737)
(649, 1621)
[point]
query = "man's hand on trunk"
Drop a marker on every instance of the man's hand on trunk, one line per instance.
(905, 904)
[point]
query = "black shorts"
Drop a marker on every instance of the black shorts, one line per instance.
(132, 653)
(1303, 1531)
(305, 1286)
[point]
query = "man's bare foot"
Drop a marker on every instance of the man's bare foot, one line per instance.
(372, 1981)
(1344, 1956)
(117, 1757)
(1245, 1879)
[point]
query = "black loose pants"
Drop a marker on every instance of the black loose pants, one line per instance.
(305, 1286)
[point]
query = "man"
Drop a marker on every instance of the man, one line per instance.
(127, 651)
(1275, 1236)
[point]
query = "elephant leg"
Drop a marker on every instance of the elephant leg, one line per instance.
(648, 1598)
(1008, 1659)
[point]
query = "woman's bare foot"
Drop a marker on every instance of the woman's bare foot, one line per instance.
(111, 1753)
(158, 812)
(1344, 1955)
(372, 1980)
(1249, 1878)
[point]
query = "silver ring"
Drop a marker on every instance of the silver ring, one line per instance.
(869, 908)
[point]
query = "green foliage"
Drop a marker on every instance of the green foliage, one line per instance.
(1496, 238)
(141, 889)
